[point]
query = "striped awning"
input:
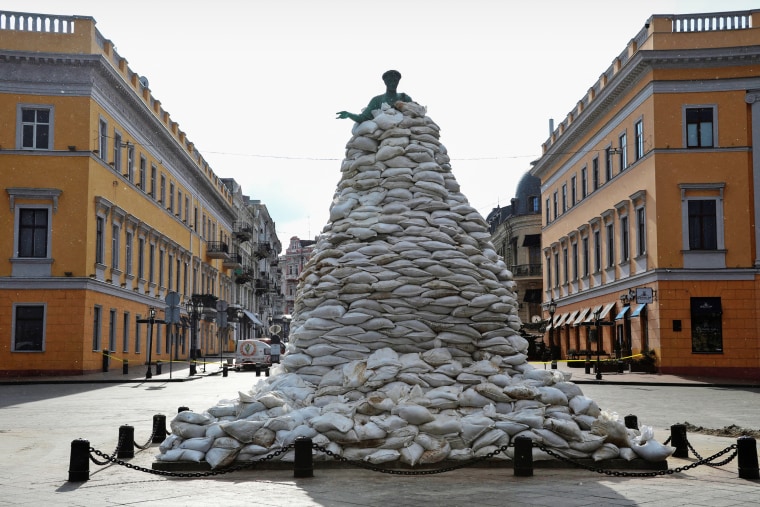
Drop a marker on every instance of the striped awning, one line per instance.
(581, 317)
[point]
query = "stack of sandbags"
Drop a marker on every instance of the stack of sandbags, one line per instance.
(404, 343)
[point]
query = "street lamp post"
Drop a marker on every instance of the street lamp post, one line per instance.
(151, 321)
(194, 307)
(551, 307)
(597, 326)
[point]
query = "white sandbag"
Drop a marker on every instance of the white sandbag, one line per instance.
(653, 450)
(610, 425)
(332, 421)
(551, 439)
(187, 430)
(272, 399)
(389, 423)
(189, 417)
(472, 398)
(248, 409)
(383, 357)
(495, 437)
(170, 442)
(242, 430)
(411, 454)
(588, 442)
(628, 454)
(414, 414)
(383, 456)
(521, 392)
(219, 457)
(552, 396)
(442, 425)
(584, 405)
(181, 455)
(569, 389)
(264, 437)
(568, 429)
(201, 444)
(606, 451)
(369, 431)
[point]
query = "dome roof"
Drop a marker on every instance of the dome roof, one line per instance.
(529, 186)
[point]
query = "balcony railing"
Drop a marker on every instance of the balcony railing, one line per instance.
(243, 274)
(242, 230)
(217, 250)
(526, 270)
(235, 260)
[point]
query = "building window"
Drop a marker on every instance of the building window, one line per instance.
(623, 147)
(115, 247)
(706, 325)
(641, 232)
(138, 335)
(548, 212)
(564, 197)
(179, 203)
(130, 163)
(565, 265)
(624, 240)
(143, 166)
(160, 268)
(171, 197)
(534, 204)
(610, 245)
(586, 267)
(703, 224)
(170, 281)
(100, 224)
(28, 328)
(597, 251)
(35, 127)
(162, 199)
(608, 164)
(700, 127)
(595, 174)
(573, 195)
(128, 240)
(187, 208)
(584, 183)
(141, 258)
(575, 261)
(179, 265)
(639, 128)
(556, 269)
(33, 232)
(97, 321)
(103, 139)
(153, 171)
(112, 330)
(555, 204)
(117, 152)
(152, 263)
(125, 333)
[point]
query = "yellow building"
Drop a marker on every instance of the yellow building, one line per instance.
(108, 209)
(650, 204)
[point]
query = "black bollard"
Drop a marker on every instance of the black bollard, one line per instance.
(523, 457)
(105, 360)
(303, 465)
(192, 367)
(746, 449)
(266, 372)
(79, 462)
(679, 441)
(224, 370)
(126, 442)
(125, 367)
(631, 422)
(159, 428)
(158, 367)
(182, 409)
(587, 367)
(258, 371)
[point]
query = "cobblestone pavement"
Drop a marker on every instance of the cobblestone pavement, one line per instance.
(39, 419)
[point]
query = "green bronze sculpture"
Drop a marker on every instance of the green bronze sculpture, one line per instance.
(390, 97)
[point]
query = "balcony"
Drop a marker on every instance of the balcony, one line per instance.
(242, 230)
(261, 285)
(234, 261)
(243, 274)
(217, 250)
(262, 250)
(526, 270)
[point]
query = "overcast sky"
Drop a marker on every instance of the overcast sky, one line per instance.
(255, 84)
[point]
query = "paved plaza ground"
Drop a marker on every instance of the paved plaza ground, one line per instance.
(39, 418)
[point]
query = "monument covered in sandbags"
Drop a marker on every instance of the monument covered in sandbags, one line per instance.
(405, 343)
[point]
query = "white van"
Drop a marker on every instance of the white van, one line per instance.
(253, 355)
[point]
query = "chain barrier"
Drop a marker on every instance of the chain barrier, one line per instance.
(166, 473)
(669, 471)
(146, 445)
(372, 467)
(375, 468)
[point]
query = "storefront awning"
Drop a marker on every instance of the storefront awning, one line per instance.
(553, 323)
(571, 318)
(253, 318)
(637, 311)
(561, 320)
(592, 313)
(606, 311)
(621, 314)
(581, 316)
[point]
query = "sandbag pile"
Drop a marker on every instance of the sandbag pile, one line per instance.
(404, 342)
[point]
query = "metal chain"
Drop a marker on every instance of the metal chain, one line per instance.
(146, 445)
(669, 471)
(375, 468)
(165, 473)
(108, 458)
